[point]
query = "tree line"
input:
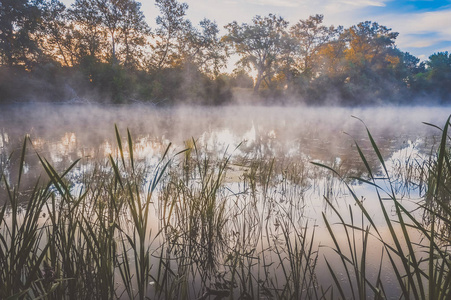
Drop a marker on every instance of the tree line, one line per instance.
(103, 50)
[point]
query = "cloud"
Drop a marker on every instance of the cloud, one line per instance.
(420, 29)
(305, 3)
(361, 3)
(423, 57)
(276, 3)
(406, 41)
(437, 21)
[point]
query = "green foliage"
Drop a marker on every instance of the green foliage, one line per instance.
(439, 74)
(309, 36)
(258, 44)
(19, 20)
(186, 84)
(171, 26)
(103, 50)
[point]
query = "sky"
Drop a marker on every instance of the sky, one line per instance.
(424, 26)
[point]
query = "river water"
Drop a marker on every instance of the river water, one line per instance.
(289, 137)
(63, 133)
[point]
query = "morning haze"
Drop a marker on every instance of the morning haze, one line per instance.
(266, 154)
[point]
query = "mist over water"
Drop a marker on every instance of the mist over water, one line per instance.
(290, 135)
(94, 124)
(64, 133)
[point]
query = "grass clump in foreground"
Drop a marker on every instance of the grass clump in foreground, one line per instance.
(93, 245)
(180, 231)
(419, 266)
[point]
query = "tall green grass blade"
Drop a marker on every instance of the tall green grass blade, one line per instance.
(335, 279)
(442, 151)
(431, 260)
(119, 144)
(344, 259)
(55, 179)
(432, 125)
(130, 149)
(22, 161)
(70, 167)
(116, 171)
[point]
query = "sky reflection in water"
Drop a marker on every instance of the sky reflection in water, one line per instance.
(291, 137)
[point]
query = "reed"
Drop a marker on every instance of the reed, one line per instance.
(420, 266)
(20, 240)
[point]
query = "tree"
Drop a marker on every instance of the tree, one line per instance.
(203, 48)
(87, 33)
(330, 56)
(310, 35)
(412, 63)
(105, 30)
(406, 70)
(55, 33)
(171, 24)
(133, 34)
(258, 44)
(369, 45)
(19, 20)
(110, 16)
(302, 58)
(370, 64)
(439, 63)
(439, 74)
(126, 27)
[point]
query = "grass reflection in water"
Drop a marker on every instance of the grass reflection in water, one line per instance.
(238, 225)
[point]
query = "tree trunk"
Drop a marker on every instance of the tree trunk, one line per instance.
(113, 42)
(258, 81)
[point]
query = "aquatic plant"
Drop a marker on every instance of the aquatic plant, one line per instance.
(414, 253)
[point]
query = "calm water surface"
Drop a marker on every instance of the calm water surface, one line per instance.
(289, 137)
(63, 133)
